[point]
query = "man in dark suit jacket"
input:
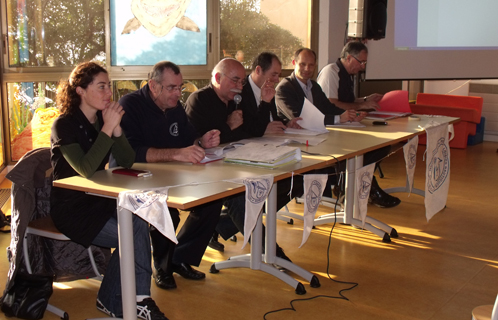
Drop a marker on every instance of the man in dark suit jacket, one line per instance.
(259, 117)
(258, 98)
(290, 96)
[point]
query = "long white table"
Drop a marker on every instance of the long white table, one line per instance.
(341, 143)
(351, 144)
(211, 187)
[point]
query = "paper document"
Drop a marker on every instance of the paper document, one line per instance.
(304, 132)
(386, 115)
(217, 153)
(312, 118)
(279, 140)
(355, 124)
(264, 155)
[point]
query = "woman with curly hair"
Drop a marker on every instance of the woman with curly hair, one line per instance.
(83, 137)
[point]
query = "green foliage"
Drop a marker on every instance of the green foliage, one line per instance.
(59, 33)
(244, 28)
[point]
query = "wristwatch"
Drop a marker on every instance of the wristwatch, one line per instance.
(365, 98)
(199, 143)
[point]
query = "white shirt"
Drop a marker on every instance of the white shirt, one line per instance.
(328, 79)
(257, 94)
(307, 89)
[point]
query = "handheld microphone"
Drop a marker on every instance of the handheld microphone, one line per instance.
(237, 99)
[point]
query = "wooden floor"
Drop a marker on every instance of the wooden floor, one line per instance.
(440, 269)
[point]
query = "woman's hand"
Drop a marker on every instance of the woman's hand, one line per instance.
(112, 115)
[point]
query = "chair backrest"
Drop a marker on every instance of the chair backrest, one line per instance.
(449, 100)
(396, 101)
(31, 200)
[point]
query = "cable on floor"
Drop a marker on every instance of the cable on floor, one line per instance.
(353, 284)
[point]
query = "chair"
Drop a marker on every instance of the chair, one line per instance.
(34, 237)
(395, 101)
(467, 108)
(44, 227)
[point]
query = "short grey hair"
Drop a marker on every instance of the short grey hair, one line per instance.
(353, 48)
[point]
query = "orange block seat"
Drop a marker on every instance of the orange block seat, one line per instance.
(467, 108)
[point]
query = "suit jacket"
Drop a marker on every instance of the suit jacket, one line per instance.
(290, 98)
(256, 118)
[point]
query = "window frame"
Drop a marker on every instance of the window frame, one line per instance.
(46, 74)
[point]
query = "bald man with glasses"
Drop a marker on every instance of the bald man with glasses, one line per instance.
(213, 106)
(158, 129)
(336, 79)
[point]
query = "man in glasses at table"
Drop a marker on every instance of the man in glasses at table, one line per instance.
(213, 107)
(157, 128)
(336, 79)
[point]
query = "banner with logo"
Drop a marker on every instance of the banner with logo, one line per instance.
(364, 178)
(410, 153)
(437, 169)
(314, 184)
(152, 207)
(257, 190)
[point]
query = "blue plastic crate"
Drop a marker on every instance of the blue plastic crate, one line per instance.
(479, 136)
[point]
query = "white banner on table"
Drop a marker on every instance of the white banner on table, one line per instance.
(152, 207)
(314, 184)
(437, 170)
(257, 190)
(410, 153)
(364, 178)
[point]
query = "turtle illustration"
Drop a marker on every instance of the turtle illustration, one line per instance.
(159, 16)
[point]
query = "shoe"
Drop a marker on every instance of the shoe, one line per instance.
(380, 198)
(164, 280)
(188, 272)
(148, 310)
(281, 254)
(215, 244)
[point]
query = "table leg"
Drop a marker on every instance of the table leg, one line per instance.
(127, 263)
(255, 259)
(351, 205)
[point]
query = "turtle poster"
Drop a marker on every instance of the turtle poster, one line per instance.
(144, 32)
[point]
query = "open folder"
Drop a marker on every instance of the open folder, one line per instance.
(264, 155)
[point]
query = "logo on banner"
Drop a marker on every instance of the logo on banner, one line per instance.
(365, 183)
(412, 156)
(173, 129)
(438, 167)
(141, 200)
(314, 196)
(257, 190)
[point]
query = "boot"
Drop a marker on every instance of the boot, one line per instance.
(380, 198)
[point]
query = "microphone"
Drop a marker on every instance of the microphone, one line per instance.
(237, 100)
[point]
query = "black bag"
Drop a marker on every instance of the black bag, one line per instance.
(28, 297)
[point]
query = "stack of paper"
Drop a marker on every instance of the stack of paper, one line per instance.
(264, 155)
(217, 153)
(386, 115)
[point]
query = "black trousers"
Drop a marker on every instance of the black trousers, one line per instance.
(193, 237)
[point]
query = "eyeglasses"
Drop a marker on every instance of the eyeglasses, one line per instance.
(362, 63)
(236, 81)
(173, 88)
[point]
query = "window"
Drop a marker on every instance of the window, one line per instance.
(144, 32)
(31, 114)
(44, 39)
(249, 27)
(54, 33)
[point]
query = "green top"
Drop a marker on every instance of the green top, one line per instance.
(87, 163)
